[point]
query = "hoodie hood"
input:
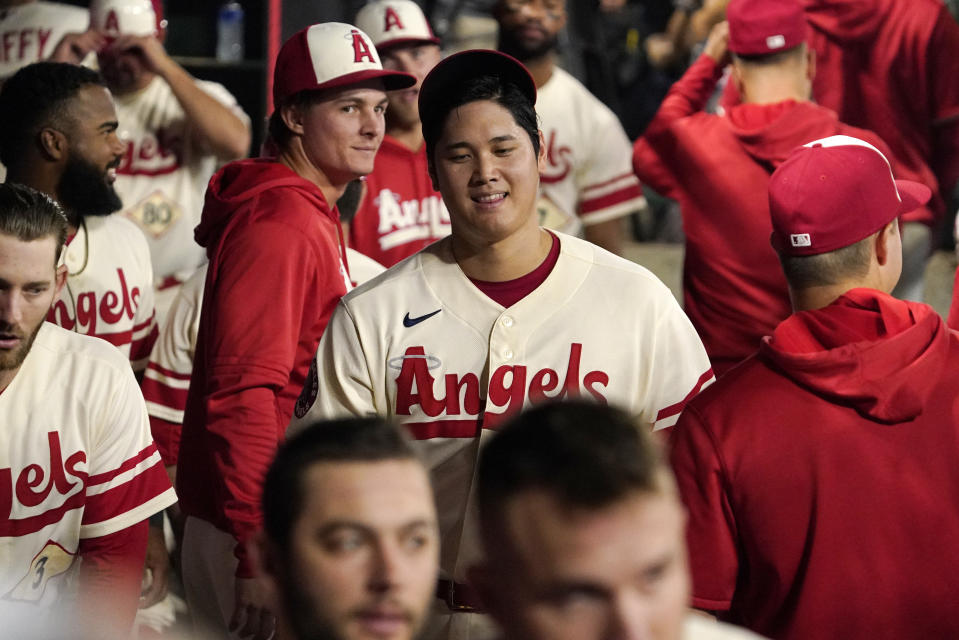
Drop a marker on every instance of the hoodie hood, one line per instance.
(867, 350)
(846, 20)
(768, 132)
(241, 182)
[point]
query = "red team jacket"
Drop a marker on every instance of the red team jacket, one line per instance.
(276, 272)
(400, 212)
(734, 291)
(825, 506)
(890, 66)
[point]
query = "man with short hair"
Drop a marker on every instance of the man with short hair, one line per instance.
(76, 443)
(499, 315)
(401, 212)
(177, 130)
(60, 137)
(582, 531)
(350, 542)
(817, 472)
(587, 185)
(733, 289)
(277, 269)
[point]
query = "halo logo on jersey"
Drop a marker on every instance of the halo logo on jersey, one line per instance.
(509, 386)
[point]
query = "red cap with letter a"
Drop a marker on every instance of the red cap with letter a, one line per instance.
(327, 56)
(114, 18)
(761, 27)
(395, 22)
(834, 192)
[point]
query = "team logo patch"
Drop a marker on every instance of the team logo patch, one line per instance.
(800, 240)
(52, 561)
(308, 395)
(156, 214)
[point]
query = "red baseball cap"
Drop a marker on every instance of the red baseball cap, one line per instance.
(761, 27)
(395, 22)
(329, 55)
(832, 193)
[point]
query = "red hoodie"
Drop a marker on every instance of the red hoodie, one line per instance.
(718, 169)
(890, 66)
(276, 273)
(821, 477)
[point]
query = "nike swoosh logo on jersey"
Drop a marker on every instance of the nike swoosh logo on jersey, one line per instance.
(411, 322)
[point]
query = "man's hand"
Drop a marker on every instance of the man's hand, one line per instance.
(157, 567)
(253, 616)
(74, 47)
(147, 48)
(717, 44)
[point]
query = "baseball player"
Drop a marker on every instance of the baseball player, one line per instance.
(350, 540)
(587, 185)
(401, 212)
(277, 269)
(820, 474)
(583, 532)
(32, 31)
(81, 474)
(59, 137)
(500, 314)
(733, 289)
(177, 131)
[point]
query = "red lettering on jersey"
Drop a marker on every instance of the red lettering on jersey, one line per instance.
(152, 155)
(111, 308)
(8, 38)
(361, 49)
(508, 388)
(25, 38)
(43, 36)
(558, 161)
(392, 19)
(33, 475)
(111, 24)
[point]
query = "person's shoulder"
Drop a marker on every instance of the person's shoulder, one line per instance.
(72, 16)
(399, 281)
(613, 267)
(80, 352)
(568, 88)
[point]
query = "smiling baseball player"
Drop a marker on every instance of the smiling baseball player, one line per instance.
(499, 315)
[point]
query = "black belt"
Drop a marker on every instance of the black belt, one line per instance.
(458, 596)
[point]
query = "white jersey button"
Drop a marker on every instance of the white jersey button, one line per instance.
(507, 321)
(508, 354)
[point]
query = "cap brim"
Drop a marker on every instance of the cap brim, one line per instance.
(386, 45)
(392, 80)
(472, 63)
(912, 194)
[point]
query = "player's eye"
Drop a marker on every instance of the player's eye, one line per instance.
(504, 151)
(343, 541)
(348, 108)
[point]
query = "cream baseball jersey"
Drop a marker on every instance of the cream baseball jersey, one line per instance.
(589, 173)
(109, 290)
(76, 461)
(29, 33)
(423, 345)
(164, 172)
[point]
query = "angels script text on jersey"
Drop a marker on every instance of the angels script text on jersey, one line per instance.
(509, 386)
(33, 485)
(110, 308)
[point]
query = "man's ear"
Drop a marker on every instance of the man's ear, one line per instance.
(883, 241)
(53, 144)
(292, 115)
(60, 279)
(810, 63)
(541, 160)
(736, 76)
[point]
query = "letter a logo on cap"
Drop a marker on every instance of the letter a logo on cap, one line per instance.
(392, 20)
(361, 49)
(112, 24)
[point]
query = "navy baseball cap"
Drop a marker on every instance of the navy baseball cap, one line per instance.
(462, 67)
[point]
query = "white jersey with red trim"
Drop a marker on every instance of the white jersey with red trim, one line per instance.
(76, 461)
(589, 172)
(30, 32)
(109, 290)
(163, 175)
(423, 345)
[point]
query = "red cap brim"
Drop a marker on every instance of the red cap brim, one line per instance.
(912, 194)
